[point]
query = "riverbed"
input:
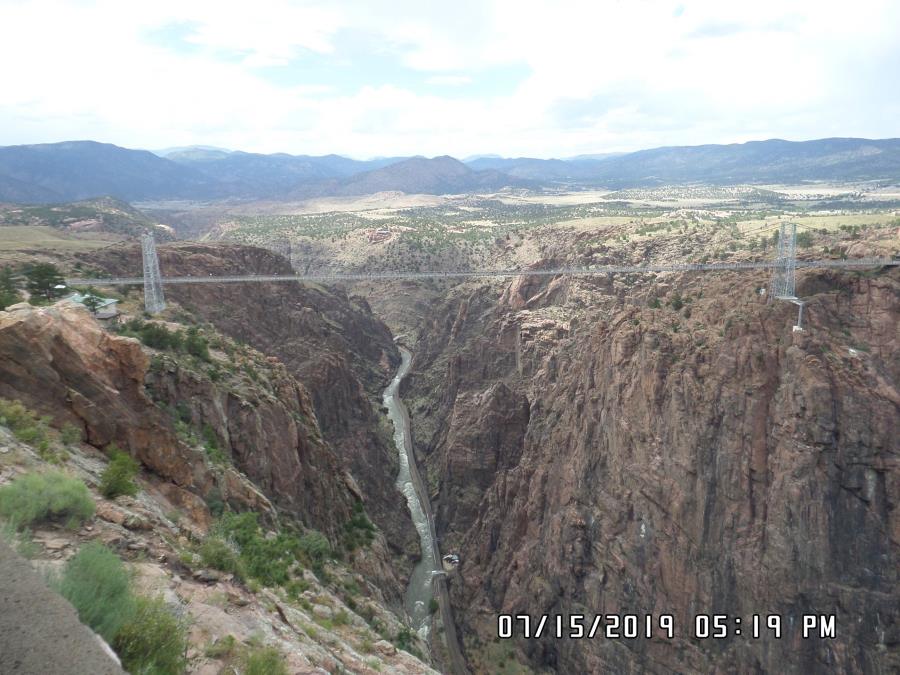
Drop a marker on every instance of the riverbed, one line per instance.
(420, 592)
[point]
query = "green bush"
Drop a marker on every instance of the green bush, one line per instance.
(118, 477)
(152, 640)
(404, 639)
(70, 434)
(211, 446)
(217, 554)
(359, 530)
(97, 584)
(196, 345)
(804, 239)
(146, 636)
(315, 546)
(25, 424)
(268, 561)
(222, 648)
(264, 661)
(214, 502)
(40, 497)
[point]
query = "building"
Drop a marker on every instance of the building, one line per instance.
(107, 308)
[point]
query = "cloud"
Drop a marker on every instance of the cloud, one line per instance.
(449, 80)
(515, 77)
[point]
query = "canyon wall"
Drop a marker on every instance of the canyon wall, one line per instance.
(591, 453)
(329, 341)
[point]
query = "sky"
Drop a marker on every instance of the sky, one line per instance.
(367, 78)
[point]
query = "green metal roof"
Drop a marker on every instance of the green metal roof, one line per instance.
(104, 302)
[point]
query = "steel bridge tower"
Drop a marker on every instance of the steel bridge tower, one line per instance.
(784, 276)
(154, 300)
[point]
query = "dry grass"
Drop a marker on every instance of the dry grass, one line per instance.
(29, 237)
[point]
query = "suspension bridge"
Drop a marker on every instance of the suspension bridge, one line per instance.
(782, 286)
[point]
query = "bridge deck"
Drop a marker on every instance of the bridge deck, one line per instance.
(327, 276)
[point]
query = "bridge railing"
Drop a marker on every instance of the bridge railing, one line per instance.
(596, 270)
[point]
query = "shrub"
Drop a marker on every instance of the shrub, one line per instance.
(315, 546)
(153, 334)
(222, 648)
(432, 605)
(96, 583)
(24, 423)
(267, 560)
(359, 530)
(296, 587)
(217, 554)
(159, 337)
(270, 560)
(804, 239)
(70, 434)
(264, 661)
(39, 497)
(211, 446)
(118, 477)
(404, 639)
(214, 502)
(196, 345)
(153, 640)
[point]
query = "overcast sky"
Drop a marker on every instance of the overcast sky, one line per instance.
(513, 77)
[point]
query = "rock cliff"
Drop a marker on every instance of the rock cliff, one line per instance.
(329, 342)
(593, 454)
(60, 362)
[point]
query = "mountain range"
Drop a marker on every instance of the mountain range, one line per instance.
(75, 170)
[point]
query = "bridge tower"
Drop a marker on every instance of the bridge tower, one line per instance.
(784, 276)
(154, 300)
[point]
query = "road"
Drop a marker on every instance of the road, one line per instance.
(457, 661)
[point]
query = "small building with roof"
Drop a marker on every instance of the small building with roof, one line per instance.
(105, 308)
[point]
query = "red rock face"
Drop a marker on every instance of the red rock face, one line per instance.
(331, 343)
(60, 362)
(271, 434)
(646, 462)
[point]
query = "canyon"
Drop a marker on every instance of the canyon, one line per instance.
(645, 444)
(591, 454)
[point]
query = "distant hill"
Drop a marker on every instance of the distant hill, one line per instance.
(528, 168)
(74, 170)
(420, 175)
(772, 161)
(104, 215)
(188, 149)
(77, 170)
(247, 174)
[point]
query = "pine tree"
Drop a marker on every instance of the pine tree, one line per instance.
(43, 280)
(9, 292)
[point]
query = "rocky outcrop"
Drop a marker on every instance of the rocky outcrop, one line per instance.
(330, 342)
(605, 457)
(59, 361)
(268, 429)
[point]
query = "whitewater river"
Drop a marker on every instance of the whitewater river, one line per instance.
(419, 592)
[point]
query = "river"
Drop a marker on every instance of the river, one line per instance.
(419, 592)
